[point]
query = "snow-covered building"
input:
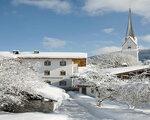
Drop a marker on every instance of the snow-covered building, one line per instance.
(130, 44)
(123, 73)
(53, 67)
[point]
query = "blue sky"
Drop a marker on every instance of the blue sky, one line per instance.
(91, 26)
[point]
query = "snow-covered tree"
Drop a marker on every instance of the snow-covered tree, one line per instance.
(112, 60)
(134, 92)
(105, 85)
(15, 79)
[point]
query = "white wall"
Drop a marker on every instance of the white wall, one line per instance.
(132, 42)
(55, 69)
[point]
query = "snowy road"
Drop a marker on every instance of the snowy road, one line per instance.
(75, 111)
(82, 107)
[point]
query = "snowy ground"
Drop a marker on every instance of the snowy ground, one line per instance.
(31, 116)
(109, 110)
(82, 107)
(74, 111)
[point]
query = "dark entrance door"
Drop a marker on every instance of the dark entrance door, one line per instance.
(84, 90)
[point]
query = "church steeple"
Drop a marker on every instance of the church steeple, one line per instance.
(130, 45)
(130, 31)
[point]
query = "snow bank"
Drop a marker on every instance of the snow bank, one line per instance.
(32, 116)
(109, 110)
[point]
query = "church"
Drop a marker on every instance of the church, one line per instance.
(130, 44)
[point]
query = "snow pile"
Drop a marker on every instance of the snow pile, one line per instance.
(32, 116)
(53, 93)
(110, 110)
(17, 80)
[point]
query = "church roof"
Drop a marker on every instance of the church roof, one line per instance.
(130, 31)
(132, 39)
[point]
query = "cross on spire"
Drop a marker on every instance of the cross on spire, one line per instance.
(130, 31)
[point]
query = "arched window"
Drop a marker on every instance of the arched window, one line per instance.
(46, 72)
(62, 63)
(63, 73)
(47, 63)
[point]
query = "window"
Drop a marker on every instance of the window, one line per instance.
(62, 83)
(47, 63)
(63, 73)
(46, 72)
(62, 63)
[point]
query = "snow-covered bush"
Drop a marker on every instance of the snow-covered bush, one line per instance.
(134, 92)
(112, 60)
(15, 79)
(105, 85)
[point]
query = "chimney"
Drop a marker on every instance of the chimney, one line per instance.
(15, 52)
(36, 52)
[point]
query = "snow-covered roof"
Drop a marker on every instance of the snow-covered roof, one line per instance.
(53, 93)
(115, 71)
(45, 55)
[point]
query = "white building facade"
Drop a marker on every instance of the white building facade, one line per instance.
(55, 68)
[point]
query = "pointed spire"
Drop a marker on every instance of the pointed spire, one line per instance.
(130, 31)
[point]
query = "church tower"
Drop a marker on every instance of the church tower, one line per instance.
(130, 45)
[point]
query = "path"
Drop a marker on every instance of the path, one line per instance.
(75, 111)
(82, 107)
